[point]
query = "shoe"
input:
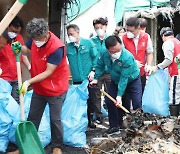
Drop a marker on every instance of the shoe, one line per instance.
(121, 127)
(100, 119)
(112, 130)
(90, 121)
(91, 124)
(57, 151)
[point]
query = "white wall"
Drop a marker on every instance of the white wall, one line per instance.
(102, 8)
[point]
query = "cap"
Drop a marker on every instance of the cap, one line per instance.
(166, 31)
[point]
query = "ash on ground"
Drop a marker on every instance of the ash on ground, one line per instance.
(145, 133)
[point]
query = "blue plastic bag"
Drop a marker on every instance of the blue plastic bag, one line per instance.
(156, 94)
(5, 119)
(74, 115)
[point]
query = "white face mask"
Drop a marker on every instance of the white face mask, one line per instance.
(100, 32)
(72, 39)
(116, 55)
(12, 35)
(130, 35)
(39, 43)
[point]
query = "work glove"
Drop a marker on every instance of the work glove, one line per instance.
(154, 69)
(91, 76)
(24, 87)
(148, 69)
(93, 82)
(29, 67)
(118, 101)
(139, 64)
(16, 47)
(0, 71)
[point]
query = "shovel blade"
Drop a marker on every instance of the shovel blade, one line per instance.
(27, 139)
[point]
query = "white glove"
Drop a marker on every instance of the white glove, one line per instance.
(154, 69)
(91, 76)
(0, 71)
(139, 64)
(93, 82)
(29, 67)
(119, 101)
(148, 69)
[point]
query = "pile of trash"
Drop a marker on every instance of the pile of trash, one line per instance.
(144, 133)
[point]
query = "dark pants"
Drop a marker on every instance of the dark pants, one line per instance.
(143, 82)
(94, 103)
(133, 91)
(38, 104)
(14, 92)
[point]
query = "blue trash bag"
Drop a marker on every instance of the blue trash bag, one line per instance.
(74, 115)
(44, 127)
(155, 98)
(5, 118)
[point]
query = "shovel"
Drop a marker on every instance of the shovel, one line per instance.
(114, 101)
(111, 98)
(11, 14)
(26, 135)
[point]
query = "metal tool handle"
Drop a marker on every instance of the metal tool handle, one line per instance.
(112, 99)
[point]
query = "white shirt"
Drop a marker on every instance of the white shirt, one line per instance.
(149, 48)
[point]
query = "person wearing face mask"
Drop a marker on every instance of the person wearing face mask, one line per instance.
(82, 57)
(171, 50)
(140, 45)
(49, 77)
(100, 26)
(8, 59)
(125, 78)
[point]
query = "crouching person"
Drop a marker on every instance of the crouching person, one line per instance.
(49, 72)
(125, 80)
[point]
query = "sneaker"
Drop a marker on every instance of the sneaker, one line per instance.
(91, 125)
(121, 127)
(112, 130)
(100, 119)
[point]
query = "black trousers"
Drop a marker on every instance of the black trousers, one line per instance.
(14, 93)
(38, 104)
(94, 101)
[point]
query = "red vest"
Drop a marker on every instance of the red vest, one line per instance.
(8, 61)
(57, 83)
(173, 69)
(141, 48)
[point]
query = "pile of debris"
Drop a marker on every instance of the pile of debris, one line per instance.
(144, 133)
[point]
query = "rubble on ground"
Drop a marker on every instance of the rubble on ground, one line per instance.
(145, 133)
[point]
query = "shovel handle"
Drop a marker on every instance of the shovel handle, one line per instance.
(21, 98)
(112, 99)
(10, 15)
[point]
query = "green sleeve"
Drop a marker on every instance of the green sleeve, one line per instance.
(100, 68)
(93, 53)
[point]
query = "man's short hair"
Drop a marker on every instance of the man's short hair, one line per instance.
(100, 20)
(143, 22)
(166, 31)
(17, 22)
(37, 27)
(74, 26)
(112, 41)
(133, 22)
